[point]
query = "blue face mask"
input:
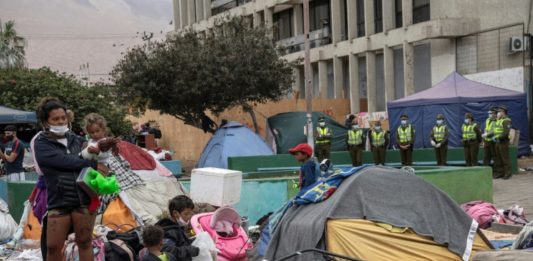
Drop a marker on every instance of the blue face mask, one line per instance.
(439, 122)
(467, 121)
(404, 122)
(377, 128)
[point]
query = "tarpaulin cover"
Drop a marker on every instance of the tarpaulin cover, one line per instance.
(379, 194)
(232, 140)
(8, 116)
(288, 130)
(453, 97)
(365, 240)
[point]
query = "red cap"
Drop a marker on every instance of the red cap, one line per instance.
(303, 148)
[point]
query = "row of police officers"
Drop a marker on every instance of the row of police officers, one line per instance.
(495, 138)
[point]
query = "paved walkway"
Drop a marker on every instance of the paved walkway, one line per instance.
(518, 189)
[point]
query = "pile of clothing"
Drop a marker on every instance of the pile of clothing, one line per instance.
(486, 214)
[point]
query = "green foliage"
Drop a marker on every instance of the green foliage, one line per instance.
(11, 47)
(24, 88)
(190, 74)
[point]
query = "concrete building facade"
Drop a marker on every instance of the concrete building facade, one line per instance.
(374, 51)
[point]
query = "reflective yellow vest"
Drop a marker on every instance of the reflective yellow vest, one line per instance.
(489, 127)
(468, 132)
(498, 127)
(323, 132)
(355, 137)
(378, 138)
(439, 132)
(405, 134)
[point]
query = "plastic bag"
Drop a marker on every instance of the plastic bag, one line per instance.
(207, 247)
(8, 226)
(27, 255)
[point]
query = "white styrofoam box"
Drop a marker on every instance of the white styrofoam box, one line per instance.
(218, 187)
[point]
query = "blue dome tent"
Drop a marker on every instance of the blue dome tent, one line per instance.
(233, 139)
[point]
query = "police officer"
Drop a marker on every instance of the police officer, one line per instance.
(488, 134)
(502, 166)
(405, 137)
(356, 144)
(379, 141)
(439, 140)
(323, 137)
(471, 139)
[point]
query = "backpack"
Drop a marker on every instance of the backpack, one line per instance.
(118, 250)
(131, 238)
(71, 252)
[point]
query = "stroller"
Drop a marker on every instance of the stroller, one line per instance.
(224, 227)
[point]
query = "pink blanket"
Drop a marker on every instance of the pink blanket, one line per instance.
(483, 212)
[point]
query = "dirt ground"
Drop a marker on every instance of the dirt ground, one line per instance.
(517, 190)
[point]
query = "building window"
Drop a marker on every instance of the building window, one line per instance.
(420, 11)
(283, 25)
(220, 6)
(398, 13)
(344, 21)
(378, 16)
(488, 51)
(422, 67)
(399, 91)
(319, 14)
(360, 5)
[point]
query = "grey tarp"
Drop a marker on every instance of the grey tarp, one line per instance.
(379, 194)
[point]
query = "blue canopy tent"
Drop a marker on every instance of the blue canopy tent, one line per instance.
(233, 139)
(12, 116)
(453, 97)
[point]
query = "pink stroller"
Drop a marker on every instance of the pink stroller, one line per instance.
(224, 227)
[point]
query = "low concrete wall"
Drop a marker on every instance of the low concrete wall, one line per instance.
(262, 195)
(267, 191)
(420, 157)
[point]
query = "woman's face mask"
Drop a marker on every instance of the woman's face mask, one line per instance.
(439, 122)
(59, 130)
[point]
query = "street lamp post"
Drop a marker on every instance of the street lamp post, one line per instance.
(308, 76)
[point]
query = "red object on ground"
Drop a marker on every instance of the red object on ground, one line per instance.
(137, 157)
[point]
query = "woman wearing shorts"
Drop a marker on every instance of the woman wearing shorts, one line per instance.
(57, 152)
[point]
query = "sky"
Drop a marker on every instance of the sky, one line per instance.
(66, 34)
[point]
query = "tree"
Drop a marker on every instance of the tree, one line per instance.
(24, 88)
(190, 74)
(11, 47)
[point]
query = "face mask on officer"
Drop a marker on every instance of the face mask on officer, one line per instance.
(499, 115)
(404, 122)
(467, 121)
(377, 128)
(439, 122)
(355, 127)
(322, 124)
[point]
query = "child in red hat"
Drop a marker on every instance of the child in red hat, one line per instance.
(303, 153)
